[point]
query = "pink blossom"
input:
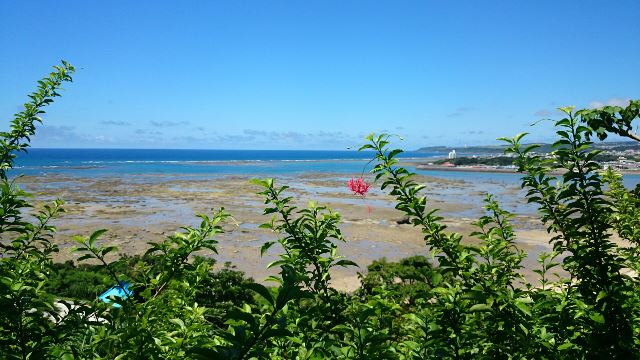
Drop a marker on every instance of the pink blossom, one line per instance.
(358, 186)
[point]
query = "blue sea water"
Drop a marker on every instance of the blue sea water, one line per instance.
(109, 162)
(123, 162)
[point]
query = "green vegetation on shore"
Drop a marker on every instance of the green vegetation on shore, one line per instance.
(542, 148)
(462, 302)
(480, 160)
(508, 161)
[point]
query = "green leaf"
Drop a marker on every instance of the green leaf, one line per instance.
(238, 315)
(345, 263)
(524, 329)
(567, 109)
(265, 247)
(394, 152)
(597, 317)
(262, 291)
(565, 346)
(178, 322)
(523, 307)
(108, 249)
(276, 263)
(518, 137)
(480, 307)
(96, 234)
(85, 257)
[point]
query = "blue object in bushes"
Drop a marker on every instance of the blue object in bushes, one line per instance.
(118, 291)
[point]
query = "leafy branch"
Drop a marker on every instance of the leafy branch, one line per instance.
(23, 125)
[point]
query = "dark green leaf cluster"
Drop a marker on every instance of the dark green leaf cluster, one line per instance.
(407, 280)
(471, 161)
(613, 119)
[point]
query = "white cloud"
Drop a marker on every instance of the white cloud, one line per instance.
(115, 123)
(610, 102)
(53, 135)
(543, 113)
(168, 123)
(462, 110)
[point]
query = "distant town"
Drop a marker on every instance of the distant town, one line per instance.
(622, 156)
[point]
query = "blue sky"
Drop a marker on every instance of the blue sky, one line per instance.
(314, 74)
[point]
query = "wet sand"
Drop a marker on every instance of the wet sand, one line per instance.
(138, 209)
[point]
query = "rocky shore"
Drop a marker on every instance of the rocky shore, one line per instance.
(138, 209)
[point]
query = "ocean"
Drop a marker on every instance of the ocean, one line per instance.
(210, 163)
(109, 162)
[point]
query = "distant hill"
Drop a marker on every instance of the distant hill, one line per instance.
(545, 148)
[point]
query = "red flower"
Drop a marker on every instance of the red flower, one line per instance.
(358, 186)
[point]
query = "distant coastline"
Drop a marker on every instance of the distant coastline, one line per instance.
(493, 169)
(490, 169)
(544, 148)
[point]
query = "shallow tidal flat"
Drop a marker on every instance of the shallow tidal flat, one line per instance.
(138, 209)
